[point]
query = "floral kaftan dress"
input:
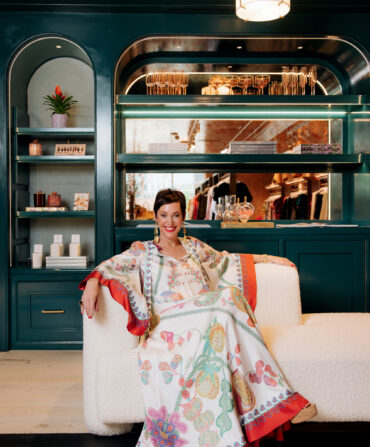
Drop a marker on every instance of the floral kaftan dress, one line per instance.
(207, 376)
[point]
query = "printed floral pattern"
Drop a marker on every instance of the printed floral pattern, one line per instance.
(165, 429)
(205, 368)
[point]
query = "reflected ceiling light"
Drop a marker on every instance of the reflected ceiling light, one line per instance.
(262, 10)
(58, 46)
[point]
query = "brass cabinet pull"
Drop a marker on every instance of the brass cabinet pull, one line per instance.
(52, 311)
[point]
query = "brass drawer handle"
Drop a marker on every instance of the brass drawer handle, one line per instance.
(52, 311)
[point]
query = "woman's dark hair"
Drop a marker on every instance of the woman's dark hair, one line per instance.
(165, 196)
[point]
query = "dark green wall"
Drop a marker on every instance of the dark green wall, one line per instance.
(104, 36)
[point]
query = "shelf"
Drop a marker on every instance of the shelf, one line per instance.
(55, 132)
(47, 214)
(305, 100)
(239, 162)
(56, 159)
(129, 233)
(241, 106)
(24, 269)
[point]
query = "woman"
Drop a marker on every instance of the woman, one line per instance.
(207, 376)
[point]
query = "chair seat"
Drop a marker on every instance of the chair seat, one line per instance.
(327, 359)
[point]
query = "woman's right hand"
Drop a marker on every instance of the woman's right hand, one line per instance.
(89, 301)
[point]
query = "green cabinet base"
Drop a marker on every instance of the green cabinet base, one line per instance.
(45, 313)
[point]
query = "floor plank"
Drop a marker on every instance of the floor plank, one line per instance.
(41, 392)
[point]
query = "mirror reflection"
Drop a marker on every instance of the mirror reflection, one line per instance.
(274, 196)
(252, 196)
(177, 136)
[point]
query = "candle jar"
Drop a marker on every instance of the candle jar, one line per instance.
(39, 199)
(54, 199)
(35, 148)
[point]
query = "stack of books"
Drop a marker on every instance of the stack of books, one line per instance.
(332, 148)
(168, 148)
(252, 147)
(66, 261)
(46, 208)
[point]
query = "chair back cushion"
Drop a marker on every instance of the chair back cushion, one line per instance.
(278, 295)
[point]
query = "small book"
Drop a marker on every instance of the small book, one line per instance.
(46, 208)
(247, 224)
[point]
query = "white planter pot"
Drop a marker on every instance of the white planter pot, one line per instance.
(59, 119)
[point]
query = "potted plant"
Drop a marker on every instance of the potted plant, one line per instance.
(60, 105)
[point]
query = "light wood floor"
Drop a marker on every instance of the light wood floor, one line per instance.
(41, 392)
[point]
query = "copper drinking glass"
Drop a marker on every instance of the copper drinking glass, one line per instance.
(285, 80)
(312, 78)
(302, 80)
(149, 83)
(293, 80)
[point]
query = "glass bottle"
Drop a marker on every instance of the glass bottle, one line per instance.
(230, 215)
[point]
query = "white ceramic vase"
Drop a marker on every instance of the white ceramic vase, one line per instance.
(59, 119)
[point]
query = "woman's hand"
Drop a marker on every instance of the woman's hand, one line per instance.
(274, 260)
(89, 300)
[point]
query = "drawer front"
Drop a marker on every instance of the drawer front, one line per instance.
(47, 312)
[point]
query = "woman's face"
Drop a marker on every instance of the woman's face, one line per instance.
(169, 218)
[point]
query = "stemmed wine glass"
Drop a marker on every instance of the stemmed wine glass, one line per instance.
(236, 88)
(246, 82)
(261, 82)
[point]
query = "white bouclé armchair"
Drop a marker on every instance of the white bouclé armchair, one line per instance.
(325, 357)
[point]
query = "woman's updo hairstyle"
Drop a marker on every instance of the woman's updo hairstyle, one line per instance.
(166, 196)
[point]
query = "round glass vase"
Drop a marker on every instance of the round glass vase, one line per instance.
(59, 120)
(245, 211)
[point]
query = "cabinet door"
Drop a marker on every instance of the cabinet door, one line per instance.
(332, 274)
(46, 314)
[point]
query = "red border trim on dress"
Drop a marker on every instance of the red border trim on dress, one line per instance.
(249, 279)
(270, 422)
(121, 294)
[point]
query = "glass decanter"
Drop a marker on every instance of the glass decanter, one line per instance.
(230, 214)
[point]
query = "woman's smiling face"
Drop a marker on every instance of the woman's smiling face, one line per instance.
(169, 218)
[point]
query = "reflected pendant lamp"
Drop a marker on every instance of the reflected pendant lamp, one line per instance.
(262, 10)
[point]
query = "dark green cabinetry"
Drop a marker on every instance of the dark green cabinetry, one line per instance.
(129, 24)
(44, 308)
(333, 274)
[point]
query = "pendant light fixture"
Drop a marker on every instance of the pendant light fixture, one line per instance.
(262, 10)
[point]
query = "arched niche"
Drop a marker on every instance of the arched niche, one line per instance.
(36, 69)
(343, 67)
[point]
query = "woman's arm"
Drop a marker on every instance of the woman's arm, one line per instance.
(89, 300)
(273, 260)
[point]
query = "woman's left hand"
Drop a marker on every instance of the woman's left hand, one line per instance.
(276, 260)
